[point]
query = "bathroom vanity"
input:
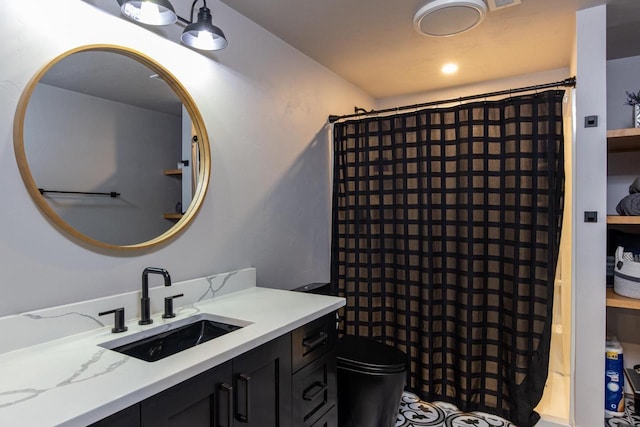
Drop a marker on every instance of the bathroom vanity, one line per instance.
(278, 369)
(258, 388)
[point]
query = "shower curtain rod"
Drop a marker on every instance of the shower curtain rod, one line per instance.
(568, 82)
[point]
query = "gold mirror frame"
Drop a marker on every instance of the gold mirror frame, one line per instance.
(203, 173)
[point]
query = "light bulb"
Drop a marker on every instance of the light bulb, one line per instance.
(150, 13)
(449, 68)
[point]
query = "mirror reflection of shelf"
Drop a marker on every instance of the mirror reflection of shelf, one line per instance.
(172, 172)
(176, 173)
(172, 216)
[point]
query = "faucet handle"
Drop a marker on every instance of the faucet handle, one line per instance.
(168, 306)
(118, 321)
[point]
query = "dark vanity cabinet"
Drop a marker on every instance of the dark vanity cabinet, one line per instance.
(287, 382)
(203, 401)
(314, 373)
(262, 385)
(129, 417)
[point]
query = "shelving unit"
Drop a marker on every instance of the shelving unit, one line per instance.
(622, 140)
(615, 300)
(623, 220)
(619, 141)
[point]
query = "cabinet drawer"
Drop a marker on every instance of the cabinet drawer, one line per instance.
(330, 419)
(313, 340)
(314, 390)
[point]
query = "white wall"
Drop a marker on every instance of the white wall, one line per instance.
(265, 106)
(474, 89)
(97, 145)
(589, 238)
(622, 77)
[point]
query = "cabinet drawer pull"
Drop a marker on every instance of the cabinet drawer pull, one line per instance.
(228, 390)
(313, 391)
(312, 343)
(246, 380)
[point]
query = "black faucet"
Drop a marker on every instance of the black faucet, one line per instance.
(145, 315)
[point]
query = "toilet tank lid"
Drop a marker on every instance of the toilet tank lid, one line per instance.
(368, 355)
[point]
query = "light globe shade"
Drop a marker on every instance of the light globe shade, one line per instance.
(203, 35)
(149, 12)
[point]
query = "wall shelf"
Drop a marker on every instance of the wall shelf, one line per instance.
(622, 140)
(623, 220)
(615, 300)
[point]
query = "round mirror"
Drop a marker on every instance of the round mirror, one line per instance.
(112, 147)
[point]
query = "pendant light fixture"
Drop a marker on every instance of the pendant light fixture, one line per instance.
(149, 12)
(202, 34)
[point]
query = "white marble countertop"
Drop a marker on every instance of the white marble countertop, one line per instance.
(72, 381)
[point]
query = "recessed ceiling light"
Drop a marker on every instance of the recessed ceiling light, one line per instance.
(442, 18)
(449, 68)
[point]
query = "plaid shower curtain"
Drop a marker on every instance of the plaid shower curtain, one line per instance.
(445, 239)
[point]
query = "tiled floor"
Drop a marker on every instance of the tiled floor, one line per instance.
(630, 419)
(416, 413)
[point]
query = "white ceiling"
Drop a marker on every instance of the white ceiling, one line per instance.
(372, 43)
(115, 77)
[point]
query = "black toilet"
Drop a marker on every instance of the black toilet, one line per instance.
(371, 378)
